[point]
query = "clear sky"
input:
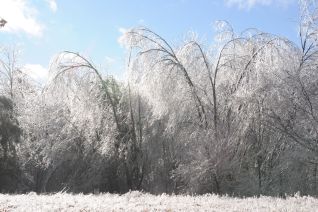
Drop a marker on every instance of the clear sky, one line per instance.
(42, 28)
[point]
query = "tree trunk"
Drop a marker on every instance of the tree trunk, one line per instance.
(315, 179)
(259, 173)
(216, 183)
(281, 192)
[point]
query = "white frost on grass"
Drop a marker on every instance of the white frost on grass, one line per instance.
(136, 201)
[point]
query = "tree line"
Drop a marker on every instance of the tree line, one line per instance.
(237, 117)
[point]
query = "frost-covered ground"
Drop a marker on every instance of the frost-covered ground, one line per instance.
(136, 201)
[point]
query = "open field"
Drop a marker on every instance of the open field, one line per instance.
(136, 201)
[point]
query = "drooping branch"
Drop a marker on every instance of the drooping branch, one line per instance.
(169, 58)
(84, 63)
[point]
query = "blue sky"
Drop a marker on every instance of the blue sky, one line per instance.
(42, 28)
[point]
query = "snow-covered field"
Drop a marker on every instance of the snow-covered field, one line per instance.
(136, 201)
